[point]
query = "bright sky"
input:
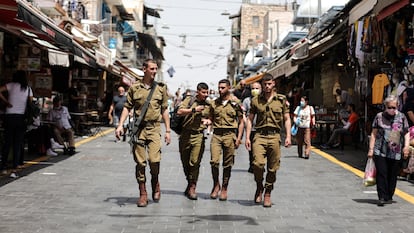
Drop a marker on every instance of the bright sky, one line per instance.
(200, 56)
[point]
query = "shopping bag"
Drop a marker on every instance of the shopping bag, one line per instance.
(313, 133)
(370, 173)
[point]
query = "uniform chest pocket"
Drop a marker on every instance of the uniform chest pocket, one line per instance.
(277, 111)
(231, 112)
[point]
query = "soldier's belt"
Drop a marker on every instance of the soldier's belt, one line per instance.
(191, 131)
(223, 131)
(149, 123)
(267, 131)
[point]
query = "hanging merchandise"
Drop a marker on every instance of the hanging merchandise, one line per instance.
(380, 82)
(366, 45)
(399, 39)
(359, 54)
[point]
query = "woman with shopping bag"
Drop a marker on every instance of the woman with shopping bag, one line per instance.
(389, 143)
(304, 119)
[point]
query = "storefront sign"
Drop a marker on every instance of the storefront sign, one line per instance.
(29, 64)
(43, 85)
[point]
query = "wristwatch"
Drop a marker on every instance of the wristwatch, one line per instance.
(193, 110)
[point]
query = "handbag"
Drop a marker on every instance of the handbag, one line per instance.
(370, 173)
(31, 111)
(313, 132)
(408, 167)
(294, 130)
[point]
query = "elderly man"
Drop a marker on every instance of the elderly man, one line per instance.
(115, 110)
(60, 117)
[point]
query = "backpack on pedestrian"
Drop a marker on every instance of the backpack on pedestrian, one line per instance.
(176, 121)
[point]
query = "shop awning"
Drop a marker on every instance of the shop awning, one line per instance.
(360, 10)
(284, 68)
(123, 13)
(58, 58)
(41, 23)
(391, 9)
(9, 22)
(151, 11)
(147, 41)
(321, 46)
(381, 4)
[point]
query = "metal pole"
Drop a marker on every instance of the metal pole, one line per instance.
(271, 41)
(277, 34)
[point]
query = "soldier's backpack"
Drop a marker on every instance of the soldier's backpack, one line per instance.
(176, 121)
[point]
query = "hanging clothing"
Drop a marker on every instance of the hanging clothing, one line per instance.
(359, 54)
(378, 85)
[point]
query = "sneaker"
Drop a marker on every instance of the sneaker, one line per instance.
(50, 152)
(336, 145)
(13, 175)
(56, 145)
(325, 146)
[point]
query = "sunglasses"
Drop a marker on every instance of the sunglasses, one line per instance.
(392, 107)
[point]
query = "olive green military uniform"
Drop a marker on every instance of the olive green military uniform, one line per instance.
(191, 140)
(149, 133)
(266, 142)
(225, 124)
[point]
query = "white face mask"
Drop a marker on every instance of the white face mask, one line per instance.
(255, 92)
(391, 112)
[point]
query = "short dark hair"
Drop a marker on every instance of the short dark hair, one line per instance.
(56, 99)
(267, 77)
(352, 106)
(147, 61)
(226, 81)
(202, 86)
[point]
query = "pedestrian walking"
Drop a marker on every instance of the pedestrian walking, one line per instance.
(147, 146)
(304, 117)
(115, 110)
(389, 143)
(192, 141)
(227, 120)
(271, 110)
(256, 89)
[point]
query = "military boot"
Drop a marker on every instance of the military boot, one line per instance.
(226, 179)
(216, 183)
(259, 192)
(192, 195)
(187, 188)
(156, 192)
(143, 199)
(267, 202)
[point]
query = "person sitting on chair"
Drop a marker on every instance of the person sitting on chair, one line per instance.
(348, 128)
(60, 117)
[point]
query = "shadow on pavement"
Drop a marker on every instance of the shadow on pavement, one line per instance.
(197, 218)
(32, 164)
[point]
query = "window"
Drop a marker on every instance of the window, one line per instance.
(255, 21)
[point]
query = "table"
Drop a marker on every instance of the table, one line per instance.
(327, 124)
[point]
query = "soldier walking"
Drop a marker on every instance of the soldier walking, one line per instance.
(148, 144)
(192, 141)
(271, 110)
(227, 120)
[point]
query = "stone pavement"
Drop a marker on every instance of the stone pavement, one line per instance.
(95, 191)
